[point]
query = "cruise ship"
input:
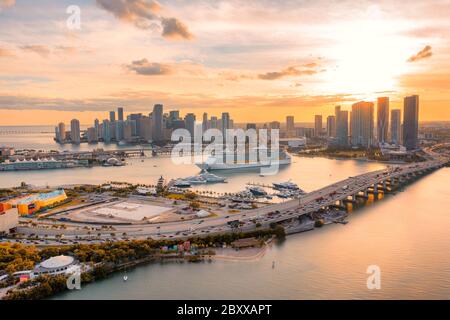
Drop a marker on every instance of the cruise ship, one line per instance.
(216, 163)
(41, 164)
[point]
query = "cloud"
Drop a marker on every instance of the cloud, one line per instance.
(144, 67)
(143, 14)
(41, 50)
(422, 54)
(289, 71)
(7, 3)
(140, 100)
(175, 29)
(139, 12)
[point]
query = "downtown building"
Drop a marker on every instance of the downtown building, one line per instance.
(411, 122)
(75, 131)
(362, 124)
(342, 128)
(396, 127)
(382, 119)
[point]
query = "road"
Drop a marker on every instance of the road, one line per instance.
(307, 204)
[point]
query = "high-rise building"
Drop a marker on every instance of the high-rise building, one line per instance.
(205, 125)
(411, 122)
(112, 116)
(382, 119)
(174, 115)
(396, 126)
(135, 124)
(106, 131)
(75, 131)
(290, 124)
(214, 124)
(128, 130)
(92, 135)
(145, 128)
(189, 119)
(119, 125)
(342, 129)
(120, 114)
(157, 117)
(61, 132)
(318, 127)
(337, 112)
(97, 128)
(331, 126)
(250, 126)
(362, 124)
(275, 125)
(225, 122)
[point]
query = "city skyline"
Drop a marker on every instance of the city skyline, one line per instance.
(197, 64)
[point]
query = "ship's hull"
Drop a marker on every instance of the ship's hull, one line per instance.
(236, 166)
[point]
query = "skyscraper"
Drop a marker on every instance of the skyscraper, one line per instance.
(106, 131)
(411, 122)
(189, 119)
(342, 128)
(112, 116)
(290, 126)
(205, 122)
(120, 113)
(119, 125)
(331, 126)
(92, 135)
(318, 125)
(337, 110)
(97, 128)
(157, 117)
(362, 124)
(61, 132)
(382, 119)
(225, 122)
(145, 128)
(214, 122)
(396, 126)
(75, 131)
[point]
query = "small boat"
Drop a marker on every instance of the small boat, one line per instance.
(125, 277)
(257, 191)
(285, 185)
(182, 184)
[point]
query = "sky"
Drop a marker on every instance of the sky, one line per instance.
(259, 60)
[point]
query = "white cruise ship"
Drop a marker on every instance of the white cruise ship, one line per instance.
(216, 163)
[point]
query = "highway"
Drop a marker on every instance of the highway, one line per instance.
(307, 204)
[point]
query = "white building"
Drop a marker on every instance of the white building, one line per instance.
(56, 265)
(9, 219)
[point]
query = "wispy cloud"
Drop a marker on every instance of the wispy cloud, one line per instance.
(289, 71)
(41, 50)
(175, 29)
(144, 15)
(144, 67)
(422, 54)
(141, 100)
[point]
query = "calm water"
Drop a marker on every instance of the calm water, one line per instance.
(406, 235)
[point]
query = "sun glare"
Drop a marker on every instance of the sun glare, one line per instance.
(369, 57)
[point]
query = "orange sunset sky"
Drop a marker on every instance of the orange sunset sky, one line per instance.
(259, 60)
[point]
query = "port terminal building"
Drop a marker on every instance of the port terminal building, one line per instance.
(32, 203)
